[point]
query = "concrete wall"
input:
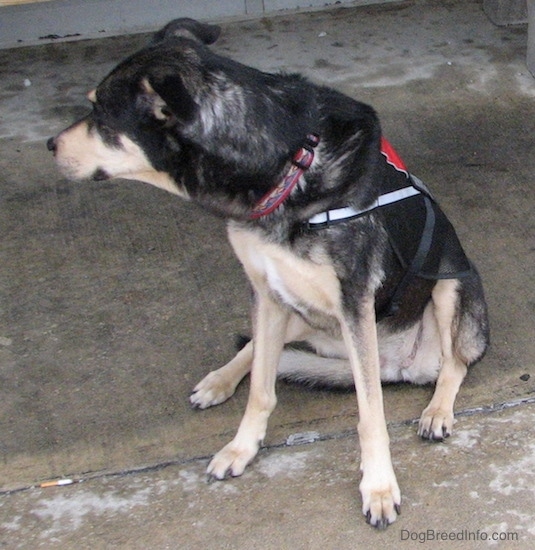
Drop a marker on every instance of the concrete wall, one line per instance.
(513, 12)
(36, 23)
(506, 12)
(531, 36)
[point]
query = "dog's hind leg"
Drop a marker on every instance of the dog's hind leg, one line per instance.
(218, 385)
(380, 492)
(270, 327)
(436, 422)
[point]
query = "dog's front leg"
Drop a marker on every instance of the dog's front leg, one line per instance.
(269, 329)
(381, 497)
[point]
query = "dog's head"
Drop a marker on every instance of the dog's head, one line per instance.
(181, 117)
(142, 112)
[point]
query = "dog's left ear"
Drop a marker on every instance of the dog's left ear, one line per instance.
(167, 99)
(188, 28)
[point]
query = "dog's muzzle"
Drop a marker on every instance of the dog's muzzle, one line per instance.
(98, 175)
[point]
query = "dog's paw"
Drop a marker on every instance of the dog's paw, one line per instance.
(435, 424)
(381, 506)
(231, 460)
(212, 390)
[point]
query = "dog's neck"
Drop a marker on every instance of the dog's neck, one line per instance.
(301, 161)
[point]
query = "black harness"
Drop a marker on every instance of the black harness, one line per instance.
(420, 234)
(423, 239)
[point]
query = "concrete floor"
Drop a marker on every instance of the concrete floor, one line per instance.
(117, 298)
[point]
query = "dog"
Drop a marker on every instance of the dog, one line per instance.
(347, 253)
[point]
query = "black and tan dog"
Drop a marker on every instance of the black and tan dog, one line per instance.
(345, 250)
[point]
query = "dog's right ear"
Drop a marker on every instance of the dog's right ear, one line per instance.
(188, 28)
(167, 100)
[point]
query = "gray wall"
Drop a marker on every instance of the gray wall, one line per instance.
(74, 19)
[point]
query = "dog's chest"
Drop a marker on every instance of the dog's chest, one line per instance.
(309, 286)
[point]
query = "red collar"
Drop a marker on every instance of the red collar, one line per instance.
(276, 196)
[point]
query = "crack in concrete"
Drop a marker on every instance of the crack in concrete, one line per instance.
(92, 476)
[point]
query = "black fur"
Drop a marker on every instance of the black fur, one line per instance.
(256, 123)
(227, 134)
(223, 135)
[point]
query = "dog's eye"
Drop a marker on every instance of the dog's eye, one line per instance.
(109, 136)
(100, 125)
(166, 111)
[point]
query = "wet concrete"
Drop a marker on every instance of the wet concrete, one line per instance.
(117, 298)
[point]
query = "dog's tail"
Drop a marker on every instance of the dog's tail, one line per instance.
(307, 369)
(300, 364)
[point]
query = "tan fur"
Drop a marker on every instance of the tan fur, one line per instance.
(379, 488)
(217, 386)
(270, 327)
(437, 419)
(211, 123)
(81, 151)
(158, 104)
(277, 275)
(265, 264)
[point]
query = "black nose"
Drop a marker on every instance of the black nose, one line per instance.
(51, 144)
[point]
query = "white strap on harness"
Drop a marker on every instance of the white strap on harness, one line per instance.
(350, 212)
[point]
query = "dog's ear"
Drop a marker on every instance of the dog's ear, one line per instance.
(188, 28)
(167, 99)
